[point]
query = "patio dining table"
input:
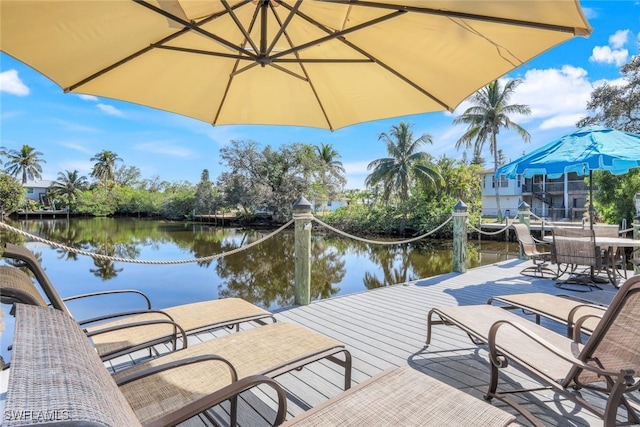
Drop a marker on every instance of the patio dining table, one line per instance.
(609, 242)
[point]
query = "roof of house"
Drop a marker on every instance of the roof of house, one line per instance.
(42, 183)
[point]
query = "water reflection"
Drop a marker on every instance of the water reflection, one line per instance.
(262, 274)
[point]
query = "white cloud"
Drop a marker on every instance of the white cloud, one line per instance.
(590, 13)
(109, 109)
(563, 121)
(555, 96)
(614, 52)
(77, 146)
(163, 147)
(561, 94)
(619, 39)
(89, 98)
(606, 55)
(74, 126)
(10, 83)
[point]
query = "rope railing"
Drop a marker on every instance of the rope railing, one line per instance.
(139, 261)
(380, 242)
(234, 251)
(211, 257)
(487, 233)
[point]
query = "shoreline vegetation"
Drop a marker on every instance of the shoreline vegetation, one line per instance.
(410, 192)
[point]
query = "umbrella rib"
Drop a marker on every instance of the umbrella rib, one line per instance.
(337, 36)
(121, 62)
(235, 71)
(196, 26)
(204, 52)
(306, 77)
(239, 24)
(159, 44)
(283, 26)
(462, 15)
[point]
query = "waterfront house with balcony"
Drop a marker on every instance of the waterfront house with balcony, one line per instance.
(563, 198)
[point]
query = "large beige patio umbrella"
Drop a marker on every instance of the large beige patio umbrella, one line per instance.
(325, 64)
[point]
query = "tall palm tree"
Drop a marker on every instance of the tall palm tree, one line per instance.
(26, 162)
(105, 166)
(404, 164)
(332, 171)
(489, 113)
(68, 185)
(328, 155)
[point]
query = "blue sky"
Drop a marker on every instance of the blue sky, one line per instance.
(69, 129)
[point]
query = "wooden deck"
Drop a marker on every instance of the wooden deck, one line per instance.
(386, 327)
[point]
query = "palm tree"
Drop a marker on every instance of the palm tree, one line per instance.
(68, 185)
(104, 168)
(26, 162)
(404, 164)
(328, 155)
(332, 171)
(489, 113)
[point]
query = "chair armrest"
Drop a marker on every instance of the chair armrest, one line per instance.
(499, 360)
(175, 365)
(114, 292)
(578, 325)
(143, 343)
(226, 393)
(575, 312)
(541, 242)
(125, 314)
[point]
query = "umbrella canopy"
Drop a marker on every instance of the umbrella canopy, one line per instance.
(585, 150)
(325, 64)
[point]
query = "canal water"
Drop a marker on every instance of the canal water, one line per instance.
(262, 274)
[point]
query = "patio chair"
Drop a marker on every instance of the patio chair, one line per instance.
(123, 333)
(609, 362)
(613, 257)
(576, 253)
(79, 391)
(530, 249)
(563, 309)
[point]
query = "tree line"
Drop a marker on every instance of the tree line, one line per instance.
(410, 190)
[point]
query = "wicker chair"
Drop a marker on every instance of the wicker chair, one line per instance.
(530, 249)
(56, 372)
(609, 362)
(123, 333)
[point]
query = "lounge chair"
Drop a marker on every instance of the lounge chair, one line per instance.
(559, 308)
(530, 249)
(132, 331)
(79, 391)
(609, 362)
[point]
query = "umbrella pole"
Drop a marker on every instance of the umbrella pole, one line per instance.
(591, 209)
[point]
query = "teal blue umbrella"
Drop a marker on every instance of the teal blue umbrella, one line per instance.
(583, 151)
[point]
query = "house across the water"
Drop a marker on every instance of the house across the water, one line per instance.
(563, 198)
